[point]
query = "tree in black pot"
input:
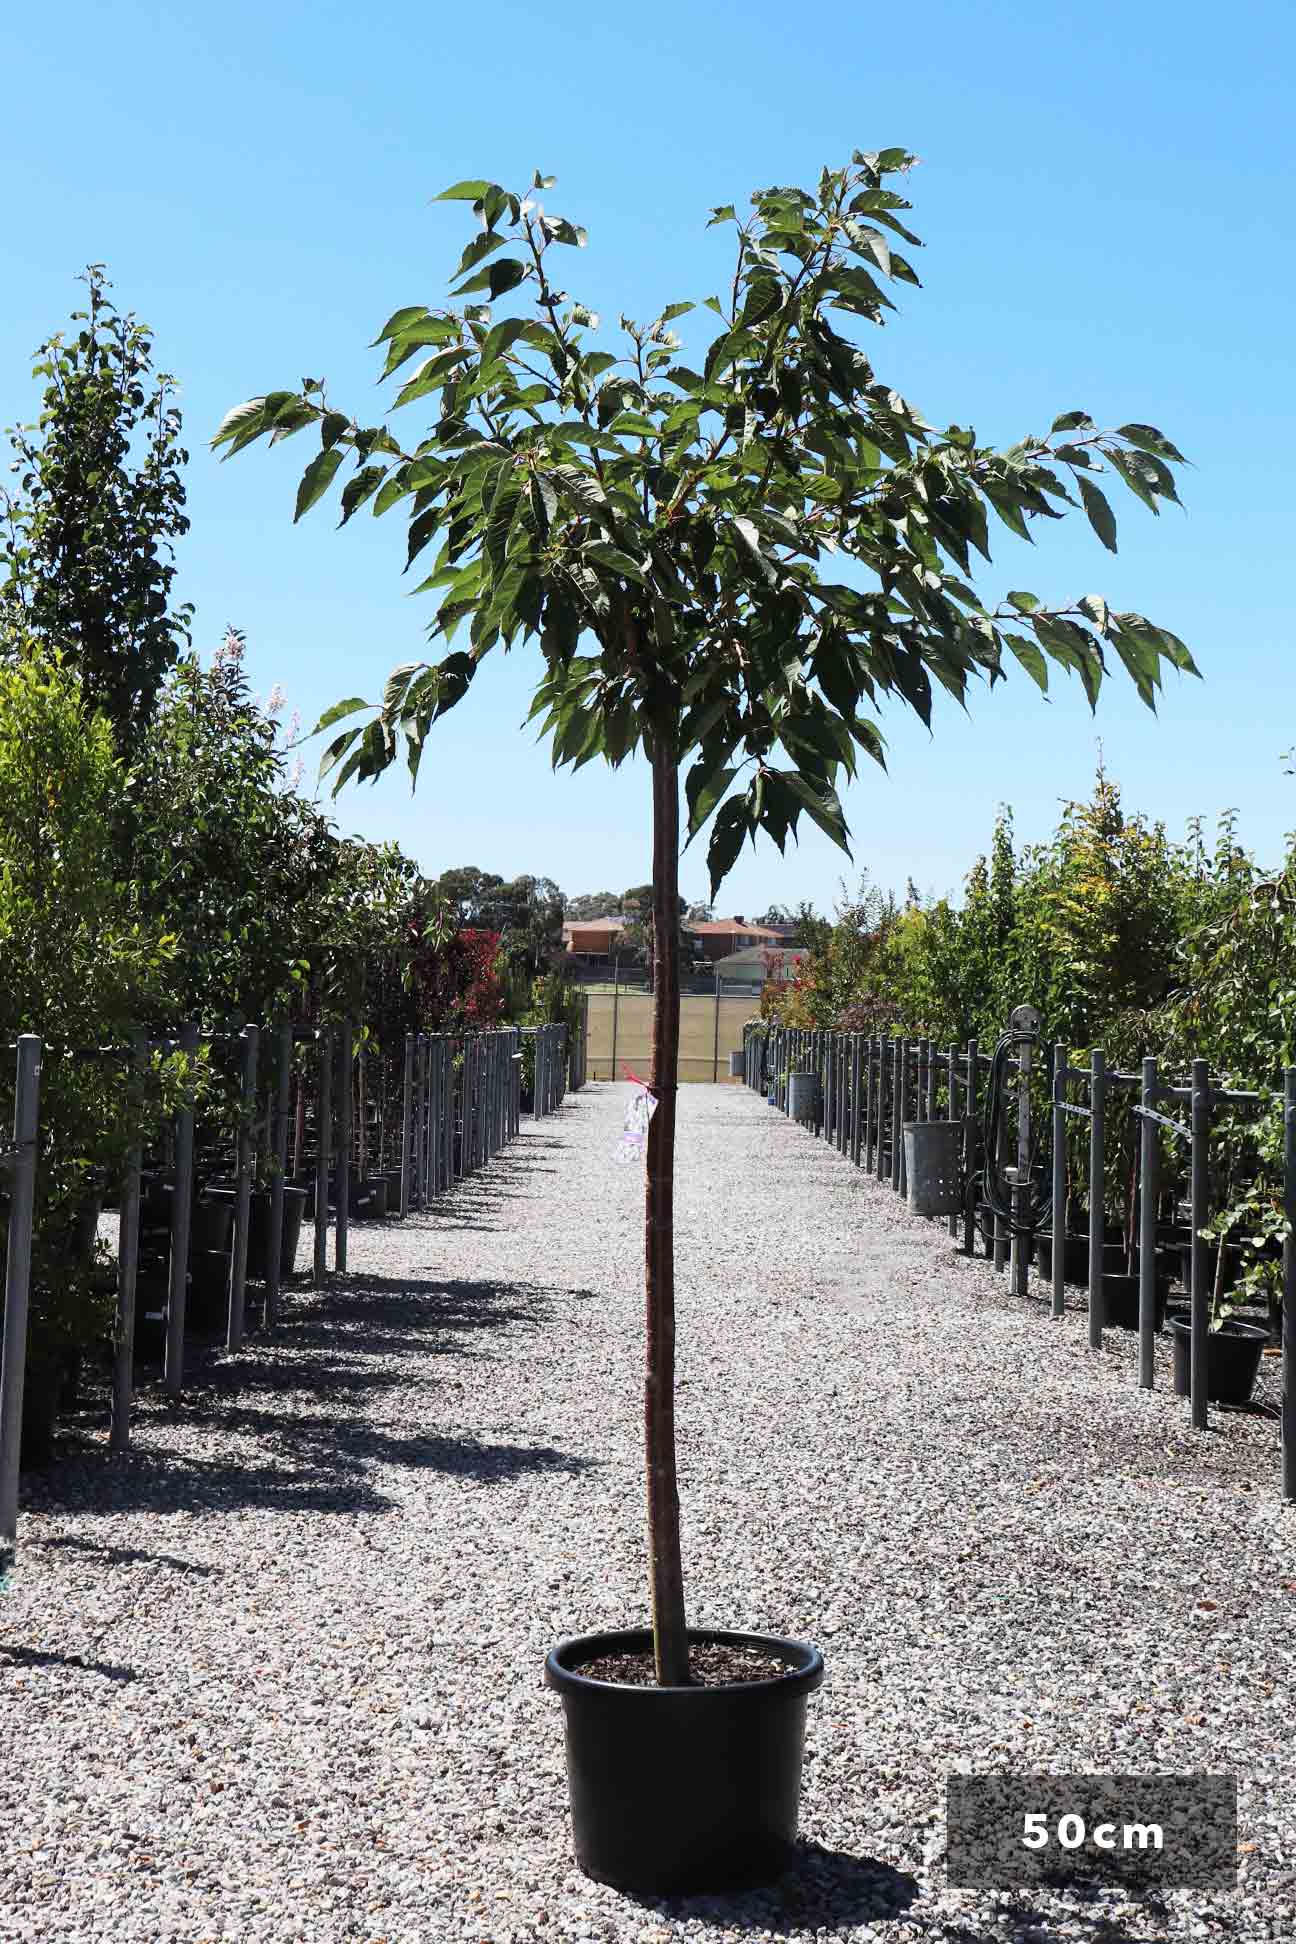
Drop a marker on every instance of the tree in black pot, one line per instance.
(730, 562)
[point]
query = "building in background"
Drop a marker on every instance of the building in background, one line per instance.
(594, 941)
(722, 937)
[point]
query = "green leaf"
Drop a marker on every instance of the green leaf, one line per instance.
(1095, 609)
(821, 805)
(749, 543)
(400, 321)
(1024, 603)
(704, 787)
(1072, 422)
(727, 835)
(358, 489)
(338, 710)
(471, 191)
(1133, 469)
(497, 278)
(241, 425)
(397, 684)
(316, 480)
(615, 560)
(723, 214)
(544, 503)
(432, 375)
(338, 748)
(481, 246)
(1150, 440)
(1101, 517)
(1031, 659)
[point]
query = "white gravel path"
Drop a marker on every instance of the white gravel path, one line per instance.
(277, 1673)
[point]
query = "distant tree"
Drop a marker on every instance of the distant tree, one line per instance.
(776, 915)
(592, 904)
(526, 912)
(87, 545)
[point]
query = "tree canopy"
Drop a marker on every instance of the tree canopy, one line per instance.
(693, 519)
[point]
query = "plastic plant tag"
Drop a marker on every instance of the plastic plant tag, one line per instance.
(639, 1112)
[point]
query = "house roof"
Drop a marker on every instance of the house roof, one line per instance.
(728, 927)
(594, 924)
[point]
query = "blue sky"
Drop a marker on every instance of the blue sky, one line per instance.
(1105, 199)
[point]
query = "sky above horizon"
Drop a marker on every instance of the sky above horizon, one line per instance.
(1104, 198)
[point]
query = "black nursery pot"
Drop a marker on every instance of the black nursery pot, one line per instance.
(42, 1396)
(294, 1208)
(676, 1791)
(1233, 1355)
(1121, 1301)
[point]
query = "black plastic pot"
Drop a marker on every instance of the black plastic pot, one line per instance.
(369, 1200)
(152, 1296)
(1121, 1301)
(1233, 1354)
(211, 1220)
(1075, 1257)
(42, 1389)
(294, 1208)
(207, 1291)
(1232, 1264)
(676, 1791)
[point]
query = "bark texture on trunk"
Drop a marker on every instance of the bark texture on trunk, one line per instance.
(670, 1643)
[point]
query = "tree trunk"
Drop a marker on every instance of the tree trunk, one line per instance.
(670, 1643)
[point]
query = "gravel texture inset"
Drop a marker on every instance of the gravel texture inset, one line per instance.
(277, 1673)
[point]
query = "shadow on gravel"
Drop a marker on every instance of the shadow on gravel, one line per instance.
(31, 1657)
(824, 1891)
(124, 1555)
(157, 1478)
(403, 1303)
(351, 1446)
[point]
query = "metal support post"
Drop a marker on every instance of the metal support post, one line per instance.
(323, 1143)
(1097, 1192)
(242, 1191)
(13, 1355)
(123, 1383)
(181, 1206)
(1060, 1076)
(1149, 1189)
(283, 1044)
(1200, 1296)
(345, 1054)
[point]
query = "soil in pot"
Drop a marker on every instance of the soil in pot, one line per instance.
(679, 1791)
(1233, 1355)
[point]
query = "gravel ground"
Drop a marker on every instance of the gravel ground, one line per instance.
(277, 1673)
